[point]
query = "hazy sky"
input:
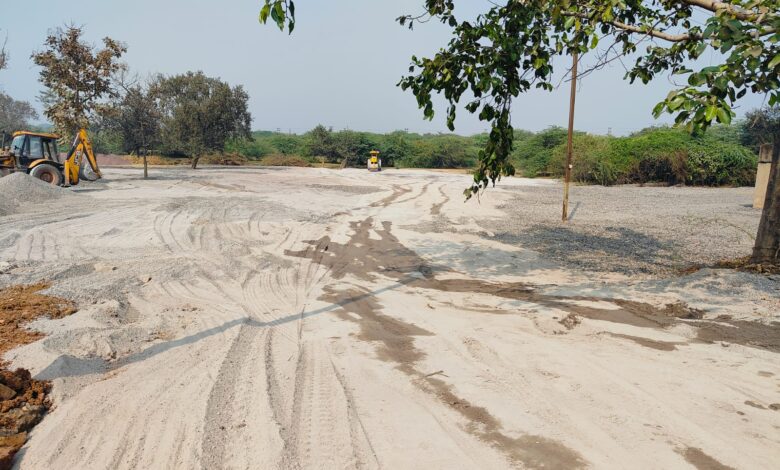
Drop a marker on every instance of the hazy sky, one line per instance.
(339, 67)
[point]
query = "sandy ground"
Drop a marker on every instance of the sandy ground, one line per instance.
(310, 318)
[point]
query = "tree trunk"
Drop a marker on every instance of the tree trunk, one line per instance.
(146, 168)
(195, 162)
(767, 248)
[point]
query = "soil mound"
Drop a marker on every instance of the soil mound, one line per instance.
(22, 304)
(23, 401)
(20, 189)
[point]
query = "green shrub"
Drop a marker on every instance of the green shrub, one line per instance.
(252, 149)
(721, 165)
(444, 151)
(532, 154)
(591, 160)
(656, 155)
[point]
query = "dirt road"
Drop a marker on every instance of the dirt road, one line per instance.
(307, 318)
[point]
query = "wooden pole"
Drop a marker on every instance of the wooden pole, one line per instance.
(569, 139)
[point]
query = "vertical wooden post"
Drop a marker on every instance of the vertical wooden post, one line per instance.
(570, 139)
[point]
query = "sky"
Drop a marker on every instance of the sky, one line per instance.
(339, 68)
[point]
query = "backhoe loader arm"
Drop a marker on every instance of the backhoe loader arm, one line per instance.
(81, 146)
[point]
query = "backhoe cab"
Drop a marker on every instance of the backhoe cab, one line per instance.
(36, 154)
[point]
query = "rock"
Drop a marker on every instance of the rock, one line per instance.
(6, 393)
(22, 419)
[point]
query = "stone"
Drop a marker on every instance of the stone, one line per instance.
(6, 393)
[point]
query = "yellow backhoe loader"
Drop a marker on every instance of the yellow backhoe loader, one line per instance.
(36, 154)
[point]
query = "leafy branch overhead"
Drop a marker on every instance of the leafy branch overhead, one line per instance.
(509, 49)
(282, 12)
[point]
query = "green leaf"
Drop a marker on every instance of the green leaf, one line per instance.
(773, 63)
(676, 103)
(710, 112)
(696, 79)
(264, 12)
(659, 108)
(278, 14)
(724, 116)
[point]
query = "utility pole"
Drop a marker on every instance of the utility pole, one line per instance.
(570, 139)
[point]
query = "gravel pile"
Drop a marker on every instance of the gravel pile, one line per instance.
(631, 229)
(18, 190)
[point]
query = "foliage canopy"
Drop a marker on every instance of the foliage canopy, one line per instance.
(77, 77)
(137, 119)
(200, 114)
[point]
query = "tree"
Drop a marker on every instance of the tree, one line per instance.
(509, 49)
(320, 144)
(77, 77)
(200, 114)
(15, 115)
(764, 126)
(286, 144)
(442, 152)
(353, 147)
(395, 147)
(3, 55)
(137, 118)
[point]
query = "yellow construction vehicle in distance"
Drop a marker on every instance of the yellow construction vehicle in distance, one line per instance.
(374, 163)
(36, 154)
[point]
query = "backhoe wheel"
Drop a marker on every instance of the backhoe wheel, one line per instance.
(48, 174)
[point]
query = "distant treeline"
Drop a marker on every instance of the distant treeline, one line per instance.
(399, 149)
(725, 155)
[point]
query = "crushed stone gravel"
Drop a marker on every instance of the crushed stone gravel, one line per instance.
(630, 229)
(19, 190)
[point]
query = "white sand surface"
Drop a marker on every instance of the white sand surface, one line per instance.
(307, 318)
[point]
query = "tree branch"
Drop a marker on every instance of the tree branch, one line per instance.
(652, 32)
(715, 6)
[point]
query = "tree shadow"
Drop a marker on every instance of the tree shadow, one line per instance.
(611, 249)
(71, 366)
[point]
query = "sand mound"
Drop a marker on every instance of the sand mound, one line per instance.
(20, 189)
